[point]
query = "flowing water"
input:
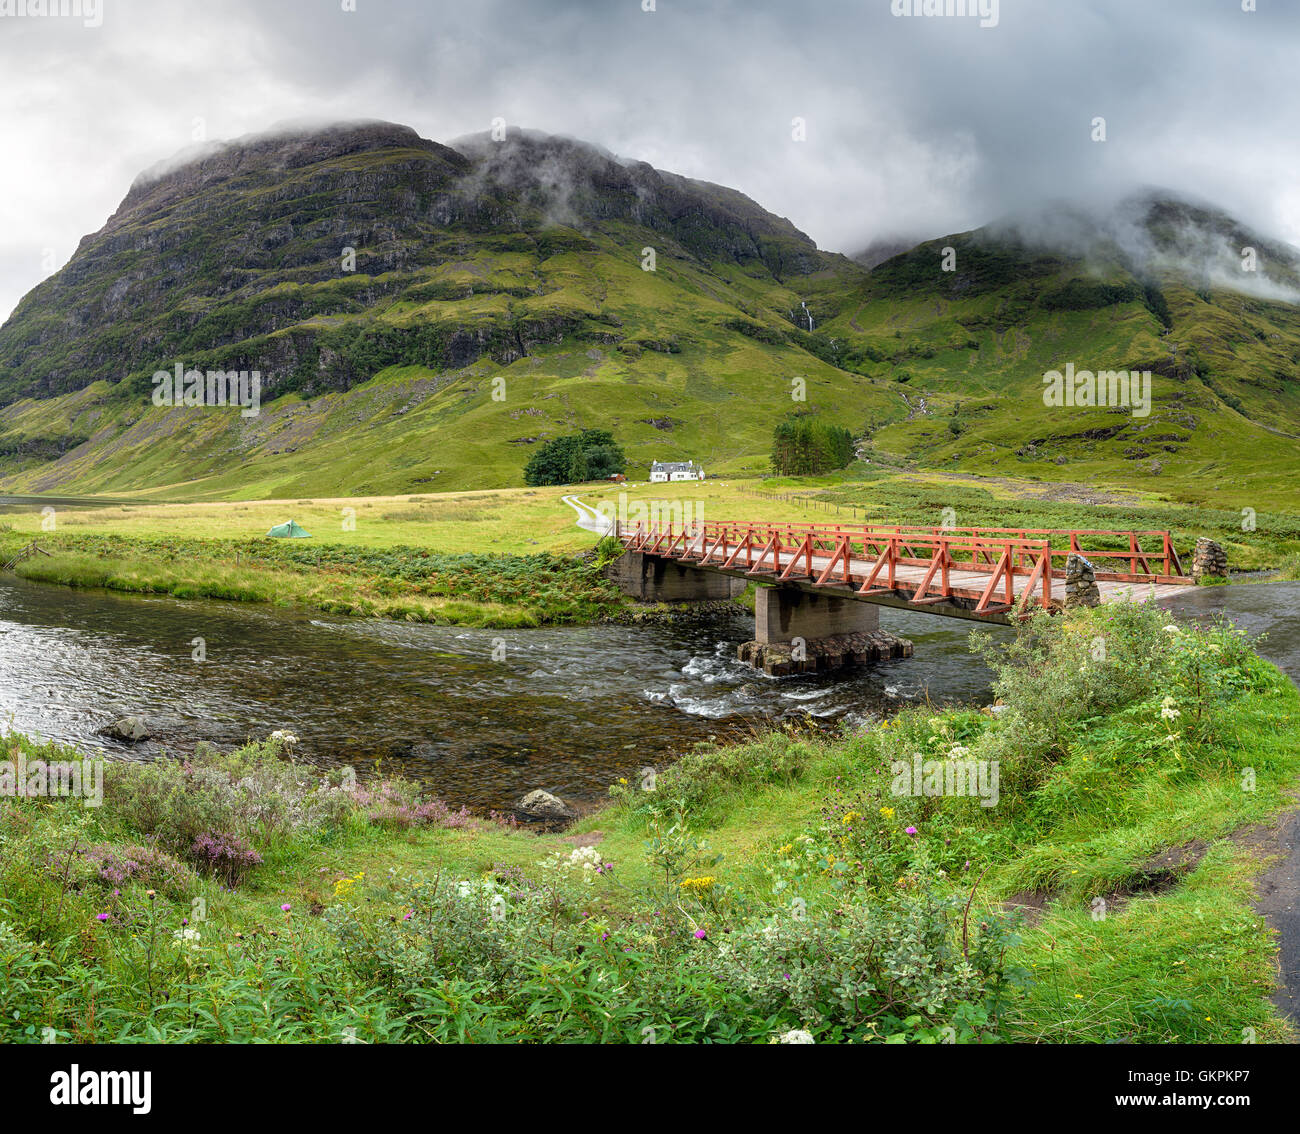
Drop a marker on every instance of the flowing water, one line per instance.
(481, 716)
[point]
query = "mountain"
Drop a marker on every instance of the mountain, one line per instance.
(521, 259)
(423, 315)
(1152, 283)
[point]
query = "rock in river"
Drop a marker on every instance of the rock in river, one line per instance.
(131, 729)
(543, 805)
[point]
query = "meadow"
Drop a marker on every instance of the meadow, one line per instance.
(778, 890)
(515, 557)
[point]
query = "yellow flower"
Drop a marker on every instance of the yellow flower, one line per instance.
(887, 812)
(623, 780)
(705, 883)
(787, 849)
(849, 816)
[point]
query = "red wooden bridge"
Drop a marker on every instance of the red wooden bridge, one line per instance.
(985, 573)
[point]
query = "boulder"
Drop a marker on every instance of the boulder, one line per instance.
(542, 805)
(130, 729)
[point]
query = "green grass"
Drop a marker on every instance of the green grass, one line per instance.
(1092, 793)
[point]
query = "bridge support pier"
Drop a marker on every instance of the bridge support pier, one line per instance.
(797, 631)
(651, 578)
(782, 614)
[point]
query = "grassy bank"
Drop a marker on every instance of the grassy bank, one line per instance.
(742, 893)
(506, 558)
(411, 584)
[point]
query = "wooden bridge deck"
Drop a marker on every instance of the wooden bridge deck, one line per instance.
(990, 573)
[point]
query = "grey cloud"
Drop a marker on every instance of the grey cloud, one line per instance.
(915, 126)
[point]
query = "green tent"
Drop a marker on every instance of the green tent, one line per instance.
(292, 530)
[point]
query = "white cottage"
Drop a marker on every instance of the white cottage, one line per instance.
(675, 470)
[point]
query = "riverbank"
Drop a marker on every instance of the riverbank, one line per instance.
(744, 892)
(404, 583)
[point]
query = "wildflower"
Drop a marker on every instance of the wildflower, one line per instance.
(796, 1036)
(705, 883)
(700, 935)
(188, 937)
(887, 812)
(960, 752)
(1167, 710)
(101, 917)
(623, 780)
(849, 816)
(1170, 629)
(286, 907)
(150, 895)
(787, 849)
(911, 830)
(284, 736)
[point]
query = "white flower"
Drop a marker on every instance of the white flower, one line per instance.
(188, 936)
(960, 752)
(1170, 713)
(797, 1036)
(1170, 629)
(284, 736)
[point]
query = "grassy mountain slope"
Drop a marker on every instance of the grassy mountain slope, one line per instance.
(522, 261)
(499, 299)
(973, 344)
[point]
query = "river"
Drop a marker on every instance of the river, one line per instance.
(480, 716)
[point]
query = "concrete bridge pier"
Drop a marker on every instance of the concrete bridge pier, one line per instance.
(651, 578)
(782, 614)
(800, 631)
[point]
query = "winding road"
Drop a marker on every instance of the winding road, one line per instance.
(588, 518)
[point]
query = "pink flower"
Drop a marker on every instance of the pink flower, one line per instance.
(911, 830)
(700, 935)
(286, 907)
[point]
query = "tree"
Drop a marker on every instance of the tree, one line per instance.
(803, 444)
(592, 454)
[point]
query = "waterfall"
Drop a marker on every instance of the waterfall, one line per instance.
(808, 313)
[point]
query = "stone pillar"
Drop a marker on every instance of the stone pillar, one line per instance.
(782, 614)
(1081, 583)
(1209, 561)
(654, 579)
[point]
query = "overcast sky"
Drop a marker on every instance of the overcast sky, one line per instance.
(914, 126)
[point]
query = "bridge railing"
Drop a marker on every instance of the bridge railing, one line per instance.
(984, 564)
(826, 557)
(1136, 550)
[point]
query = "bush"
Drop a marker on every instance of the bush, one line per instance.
(224, 856)
(907, 967)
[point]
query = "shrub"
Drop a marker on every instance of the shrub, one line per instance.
(147, 866)
(224, 856)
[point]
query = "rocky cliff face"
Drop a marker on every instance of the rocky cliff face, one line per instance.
(240, 252)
